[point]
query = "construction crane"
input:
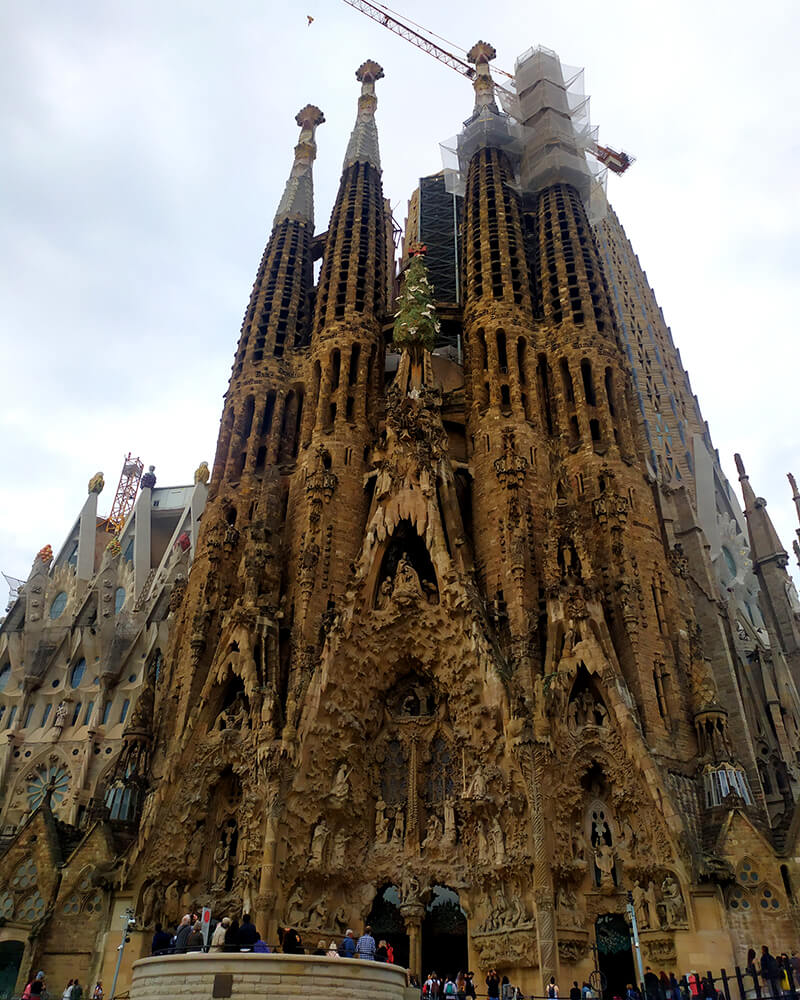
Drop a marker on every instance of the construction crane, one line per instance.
(617, 162)
(125, 497)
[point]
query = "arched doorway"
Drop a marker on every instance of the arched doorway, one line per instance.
(387, 923)
(444, 934)
(10, 958)
(614, 953)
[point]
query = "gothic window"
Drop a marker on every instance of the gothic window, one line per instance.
(32, 909)
(5, 676)
(25, 875)
(72, 905)
(6, 905)
(394, 774)
(746, 874)
(94, 904)
(52, 779)
(738, 899)
(439, 786)
(768, 900)
(58, 605)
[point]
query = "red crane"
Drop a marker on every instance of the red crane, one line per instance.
(618, 162)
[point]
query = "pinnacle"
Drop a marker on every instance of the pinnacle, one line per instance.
(481, 52)
(369, 71)
(309, 117)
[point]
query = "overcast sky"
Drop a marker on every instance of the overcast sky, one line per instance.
(144, 150)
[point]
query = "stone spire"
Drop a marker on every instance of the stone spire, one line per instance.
(764, 540)
(363, 145)
(298, 196)
(796, 498)
(481, 54)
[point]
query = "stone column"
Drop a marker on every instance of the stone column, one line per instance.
(87, 536)
(413, 915)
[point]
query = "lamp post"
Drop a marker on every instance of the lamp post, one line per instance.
(635, 928)
(129, 922)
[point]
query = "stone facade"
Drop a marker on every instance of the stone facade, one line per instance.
(453, 654)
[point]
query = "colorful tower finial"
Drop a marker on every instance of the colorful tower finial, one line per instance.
(481, 54)
(363, 145)
(298, 196)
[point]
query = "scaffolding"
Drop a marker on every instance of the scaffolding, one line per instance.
(125, 497)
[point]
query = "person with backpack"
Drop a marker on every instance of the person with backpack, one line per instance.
(76, 992)
(552, 989)
(450, 988)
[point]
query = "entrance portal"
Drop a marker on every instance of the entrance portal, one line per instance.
(614, 953)
(388, 925)
(444, 934)
(10, 958)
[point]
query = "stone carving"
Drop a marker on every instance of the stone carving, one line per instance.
(567, 908)
(60, 718)
(381, 823)
(96, 483)
(572, 949)
(672, 901)
(641, 905)
(319, 839)
(202, 474)
(399, 831)
(506, 949)
(586, 710)
(341, 784)
(433, 833)
(477, 786)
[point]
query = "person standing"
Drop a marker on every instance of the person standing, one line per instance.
(232, 936)
(218, 937)
(248, 935)
(651, 984)
(461, 986)
(76, 992)
(161, 942)
(770, 971)
(292, 942)
(38, 986)
(184, 930)
(552, 989)
(575, 992)
(366, 945)
(98, 991)
(493, 984)
(67, 990)
(195, 940)
(469, 987)
(347, 949)
(382, 952)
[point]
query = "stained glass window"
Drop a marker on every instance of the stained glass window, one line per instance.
(25, 875)
(32, 909)
(439, 783)
(58, 605)
(394, 774)
(46, 778)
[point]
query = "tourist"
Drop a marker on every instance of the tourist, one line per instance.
(292, 943)
(493, 984)
(786, 970)
(770, 971)
(586, 991)
(470, 988)
(248, 935)
(750, 964)
(665, 987)
(218, 937)
(37, 985)
(182, 936)
(431, 987)
(195, 940)
(74, 994)
(98, 991)
(321, 949)
(64, 995)
(232, 936)
(366, 945)
(794, 961)
(632, 993)
(347, 949)
(461, 986)
(651, 984)
(161, 942)
(333, 951)
(505, 988)
(575, 992)
(449, 987)
(552, 989)
(675, 987)
(382, 952)
(261, 947)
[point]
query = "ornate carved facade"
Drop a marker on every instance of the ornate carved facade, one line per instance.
(452, 653)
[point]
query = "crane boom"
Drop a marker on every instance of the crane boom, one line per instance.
(386, 19)
(618, 162)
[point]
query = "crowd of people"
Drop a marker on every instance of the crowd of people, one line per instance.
(230, 935)
(37, 987)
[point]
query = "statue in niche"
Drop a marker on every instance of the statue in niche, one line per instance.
(149, 904)
(497, 841)
(641, 906)
(627, 844)
(233, 717)
(172, 903)
(406, 579)
(449, 822)
(578, 842)
(295, 911)
(567, 905)
(339, 849)
(483, 847)
(318, 841)
(411, 889)
(586, 710)
(674, 907)
(399, 831)
(341, 785)
(477, 786)
(318, 914)
(385, 593)
(605, 866)
(381, 823)
(60, 717)
(516, 911)
(433, 834)
(225, 858)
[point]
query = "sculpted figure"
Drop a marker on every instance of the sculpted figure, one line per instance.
(339, 849)
(411, 889)
(172, 903)
(399, 831)
(449, 822)
(497, 840)
(567, 907)
(674, 907)
(385, 592)
(318, 841)
(433, 834)
(381, 823)
(149, 903)
(604, 861)
(295, 910)
(578, 842)
(221, 858)
(477, 787)
(406, 580)
(341, 786)
(60, 716)
(641, 906)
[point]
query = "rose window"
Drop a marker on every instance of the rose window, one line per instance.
(32, 909)
(25, 875)
(51, 779)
